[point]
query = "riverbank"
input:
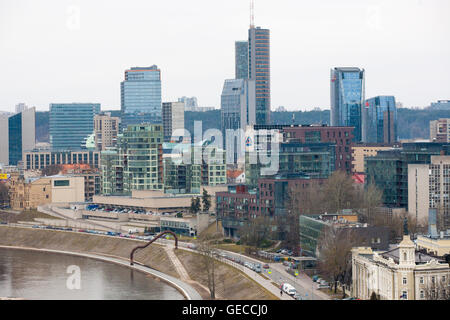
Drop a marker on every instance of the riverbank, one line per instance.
(154, 256)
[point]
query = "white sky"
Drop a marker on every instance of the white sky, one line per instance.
(47, 56)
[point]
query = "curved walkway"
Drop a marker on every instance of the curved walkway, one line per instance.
(189, 292)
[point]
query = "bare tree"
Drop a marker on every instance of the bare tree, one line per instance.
(371, 199)
(208, 264)
(335, 257)
(339, 192)
(256, 231)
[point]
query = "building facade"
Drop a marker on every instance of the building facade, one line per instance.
(29, 193)
(17, 135)
(361, 151)
(429, 187)
(71, 123)
(238, 109)
(381, 120)
(440, 130)
(140, 96)
(259, 70)
(347, 97)
(173, 119)
(106, 129)
(241, 59)
(388, 170)
(398, 274)
(40, 159)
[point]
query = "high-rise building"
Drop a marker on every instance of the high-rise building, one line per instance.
(173, 119)
(381, 120)
(241, 59)
(71, 123)
(347, 97)
(259, 70)
(237, 109)
(106, 130)
(440, 130)
(144, 156)
(141, 96)
(17, 135)
(427, 189)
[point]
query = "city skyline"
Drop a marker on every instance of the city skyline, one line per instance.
(66, 62)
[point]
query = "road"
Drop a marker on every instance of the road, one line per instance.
(276, 272)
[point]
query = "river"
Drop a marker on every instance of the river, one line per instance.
(37, 275)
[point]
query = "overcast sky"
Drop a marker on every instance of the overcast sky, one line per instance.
(77, 50)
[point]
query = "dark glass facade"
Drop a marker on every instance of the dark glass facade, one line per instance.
(140, 95)
(381, 120)
(71, 124)
(15, 139)
(347, 96)
(241, 62)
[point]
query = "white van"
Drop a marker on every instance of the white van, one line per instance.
(289, 289)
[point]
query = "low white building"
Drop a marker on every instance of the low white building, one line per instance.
(398, 274)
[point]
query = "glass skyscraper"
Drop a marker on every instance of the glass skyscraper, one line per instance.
(259, 70)
(141, 96)
(381, 120)
(71, 124)
(347, 97)
(241, 63)
(17, 135)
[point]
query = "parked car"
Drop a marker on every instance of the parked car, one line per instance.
(266, 266)
(258, 268)
(298, 297)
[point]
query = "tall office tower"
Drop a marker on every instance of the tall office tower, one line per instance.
(237, 109)
(241, 59)
(173, 119)
(71, 123)
(381, 120)
(106, 129)
(347, 97)
(259, 70)
(17, 135)
(141, 96)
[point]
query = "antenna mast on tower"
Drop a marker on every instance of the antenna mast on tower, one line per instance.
(252, 13)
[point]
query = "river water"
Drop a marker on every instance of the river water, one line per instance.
(43, 276)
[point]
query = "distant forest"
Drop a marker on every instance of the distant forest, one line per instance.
(412, 123)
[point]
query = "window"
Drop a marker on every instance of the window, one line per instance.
(421, 280)
(404, 280)
(422, 295)
(61, 183)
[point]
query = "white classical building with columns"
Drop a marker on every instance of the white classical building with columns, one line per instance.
(398, 274)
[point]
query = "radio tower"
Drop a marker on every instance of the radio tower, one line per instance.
(252, 14)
